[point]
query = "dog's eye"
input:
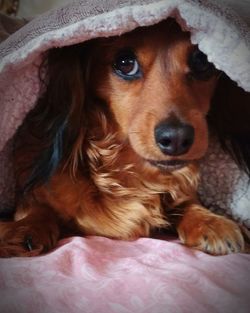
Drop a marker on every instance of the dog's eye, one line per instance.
(127, 66)
(199, 65)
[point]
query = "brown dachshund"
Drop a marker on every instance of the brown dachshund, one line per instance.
(112, 146)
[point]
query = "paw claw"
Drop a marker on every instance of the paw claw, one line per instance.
(205, 238)
(230, 246)
(28, 243)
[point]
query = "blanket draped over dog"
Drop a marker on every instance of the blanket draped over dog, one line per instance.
(222, 33)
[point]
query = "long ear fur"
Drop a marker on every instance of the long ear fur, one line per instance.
(230, 118)
(57, 123)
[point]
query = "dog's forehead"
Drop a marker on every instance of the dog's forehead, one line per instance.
(167, 29)
(162, 34)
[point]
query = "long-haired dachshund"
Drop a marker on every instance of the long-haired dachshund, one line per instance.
(112, 145)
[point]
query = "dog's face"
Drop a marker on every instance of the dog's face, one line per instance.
(158, 87)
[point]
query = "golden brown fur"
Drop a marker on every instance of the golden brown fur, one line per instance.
(114, 180)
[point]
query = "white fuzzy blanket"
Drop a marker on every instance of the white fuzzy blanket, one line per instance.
(221, 33)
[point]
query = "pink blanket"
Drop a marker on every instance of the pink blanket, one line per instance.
(100, 275)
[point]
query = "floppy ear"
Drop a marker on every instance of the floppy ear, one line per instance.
(54, 130)
(230, 118)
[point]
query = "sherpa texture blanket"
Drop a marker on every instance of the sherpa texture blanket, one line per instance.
(220, 32)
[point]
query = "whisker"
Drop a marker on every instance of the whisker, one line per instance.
(153, 114)
(134, 132)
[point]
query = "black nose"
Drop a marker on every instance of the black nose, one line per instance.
(173, 137)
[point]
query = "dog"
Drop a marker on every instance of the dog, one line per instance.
(112, 147)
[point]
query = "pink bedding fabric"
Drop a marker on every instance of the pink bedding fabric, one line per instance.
(100, 275)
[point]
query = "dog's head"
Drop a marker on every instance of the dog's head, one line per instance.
(158, 87)
(154, 88)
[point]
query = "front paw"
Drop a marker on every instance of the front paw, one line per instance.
(19, 239)
(210, 233)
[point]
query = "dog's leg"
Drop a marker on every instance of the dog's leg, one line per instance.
(32, 235)
(201, 229)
